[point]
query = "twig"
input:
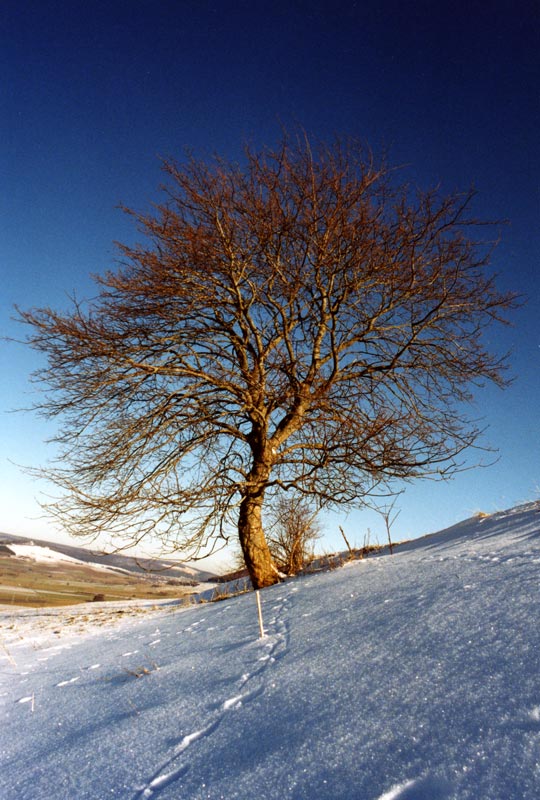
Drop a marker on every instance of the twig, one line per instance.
(8, 654)
(349, 548)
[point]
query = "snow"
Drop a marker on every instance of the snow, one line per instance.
(405, 677)
(47, 555)
(41, 554)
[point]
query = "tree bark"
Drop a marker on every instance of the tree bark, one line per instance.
(261, 568)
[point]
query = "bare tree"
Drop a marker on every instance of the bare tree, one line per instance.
(292, 532)
(298, 322)
(389, 517)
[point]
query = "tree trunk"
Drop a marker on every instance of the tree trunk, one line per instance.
(254, 547)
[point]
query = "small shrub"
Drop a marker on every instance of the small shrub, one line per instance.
(293, 531)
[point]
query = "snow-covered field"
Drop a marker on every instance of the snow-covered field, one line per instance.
(44, 555)
(54, 553)
(406, 677)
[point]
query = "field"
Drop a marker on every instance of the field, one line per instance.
(24, 582)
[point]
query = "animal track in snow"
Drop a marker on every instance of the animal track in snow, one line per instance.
(194, 625)
(159, 782)
(532, 720)
(275, 643)
(240, 699)
(161, 777)
(193, 737)
(427, 788)
(232, 702)
(265, 657)
(71, 680)
(526, 720)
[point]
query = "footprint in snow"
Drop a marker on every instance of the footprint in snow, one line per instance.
(233, 702)
(526, 721)
(195, 625)
(532, 721)
(160, 782)
(240, 699)
(193, 737)
(71, 680)
(428, 788)
(162, 776)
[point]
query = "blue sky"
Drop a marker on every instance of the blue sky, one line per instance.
(93, 93)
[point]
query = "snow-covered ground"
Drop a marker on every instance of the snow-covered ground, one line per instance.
(406, 677)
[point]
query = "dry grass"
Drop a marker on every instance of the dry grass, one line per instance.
(139, 672)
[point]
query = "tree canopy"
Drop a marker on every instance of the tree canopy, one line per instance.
(300, 322)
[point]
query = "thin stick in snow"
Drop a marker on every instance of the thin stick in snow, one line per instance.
(261, 628)
(349, 548)
(8, 655)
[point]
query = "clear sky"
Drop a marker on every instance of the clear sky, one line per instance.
(93, 93)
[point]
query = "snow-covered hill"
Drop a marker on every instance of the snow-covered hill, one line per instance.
(44, 551)
(405, 677)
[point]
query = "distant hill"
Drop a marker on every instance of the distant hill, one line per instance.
(153, 566)
(37, 572)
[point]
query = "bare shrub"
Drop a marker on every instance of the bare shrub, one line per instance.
(293, 529)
